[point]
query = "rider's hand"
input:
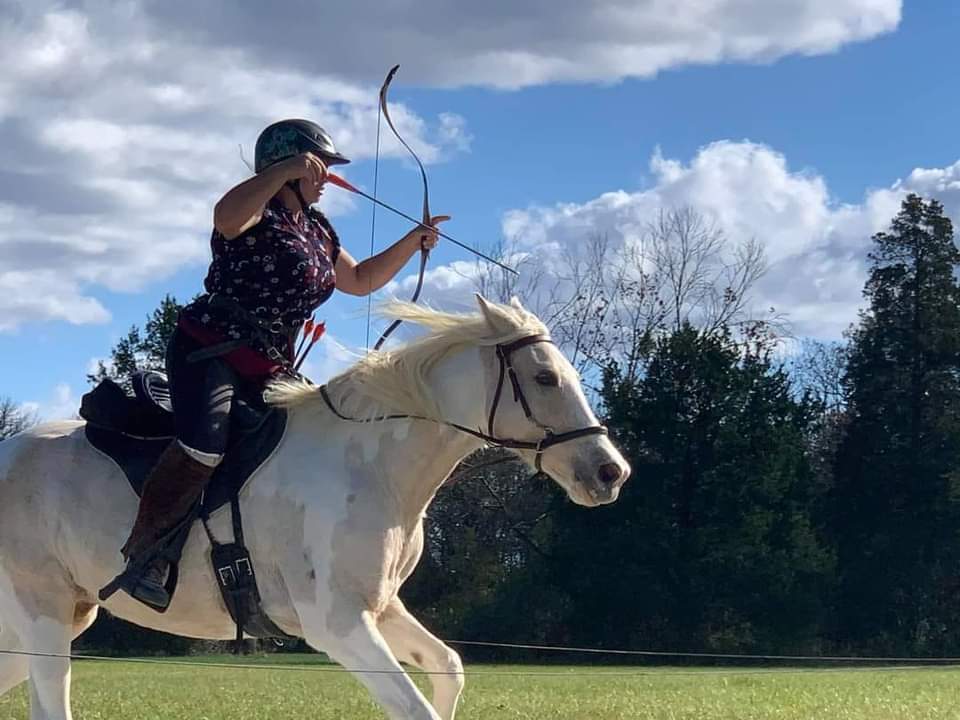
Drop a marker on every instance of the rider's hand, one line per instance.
(427, 239)
(305, 166)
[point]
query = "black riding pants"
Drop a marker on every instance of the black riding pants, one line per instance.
(202, 394)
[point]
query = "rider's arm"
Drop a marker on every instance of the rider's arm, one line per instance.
(242, 207)
(373, 273)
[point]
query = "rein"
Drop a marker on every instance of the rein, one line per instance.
(504, 351)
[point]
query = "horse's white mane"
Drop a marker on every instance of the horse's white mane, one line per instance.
(395, 380)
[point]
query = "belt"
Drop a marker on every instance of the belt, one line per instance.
(260, 329)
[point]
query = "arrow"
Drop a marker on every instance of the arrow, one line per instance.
(318, 330)
(341, 183)
(307, 329)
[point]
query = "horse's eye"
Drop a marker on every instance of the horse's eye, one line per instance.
(547, 378)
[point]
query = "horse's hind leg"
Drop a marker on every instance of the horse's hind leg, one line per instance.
(50, 638)
(14, 669)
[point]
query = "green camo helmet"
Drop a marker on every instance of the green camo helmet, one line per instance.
(287, 138)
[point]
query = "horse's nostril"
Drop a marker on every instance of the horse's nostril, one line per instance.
(609, 473)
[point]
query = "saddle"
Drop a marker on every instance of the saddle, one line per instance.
(134, 430)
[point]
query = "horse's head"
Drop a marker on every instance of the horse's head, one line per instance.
(517, 390)
(537, 406)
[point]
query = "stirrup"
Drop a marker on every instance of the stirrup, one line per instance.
(168, 548)
(153, 595)
(132, 582)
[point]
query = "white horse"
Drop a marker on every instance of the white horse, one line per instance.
(333, 519)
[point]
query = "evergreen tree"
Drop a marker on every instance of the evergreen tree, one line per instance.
(711, 544)
(141, 349)
(894, 514)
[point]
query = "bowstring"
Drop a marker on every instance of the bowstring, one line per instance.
(373, 222)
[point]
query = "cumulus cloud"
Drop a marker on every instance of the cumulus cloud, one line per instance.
(39, 294)
(518, 44)
(61, 404)
(816, 248)
(120, 120)
(119, 136)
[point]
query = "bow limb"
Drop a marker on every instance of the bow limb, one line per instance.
(424, 252)
(384, 89)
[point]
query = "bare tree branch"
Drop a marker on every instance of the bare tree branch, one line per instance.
(14, 418)
(606, 303)
(819, 369)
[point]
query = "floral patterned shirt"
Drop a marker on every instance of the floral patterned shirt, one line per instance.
(281, 269)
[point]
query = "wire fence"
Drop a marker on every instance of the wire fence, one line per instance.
(866, 663)
(865, 659)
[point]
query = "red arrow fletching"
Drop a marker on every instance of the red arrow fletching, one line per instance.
(340, 182)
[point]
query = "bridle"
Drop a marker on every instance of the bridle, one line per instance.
(504, 352)
(550, 436)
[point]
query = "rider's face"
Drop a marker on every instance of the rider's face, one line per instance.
(311, 191)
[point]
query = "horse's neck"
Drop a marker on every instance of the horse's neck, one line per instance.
(417, 465)
(433, 450)
(412, 458)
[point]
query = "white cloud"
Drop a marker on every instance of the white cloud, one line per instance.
(518, 44)
(942, 183)
(816, 248)
(44, 294)
(120, 135)
(120, 120)
(61, 404)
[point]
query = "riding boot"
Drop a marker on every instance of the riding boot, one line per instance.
(170, 491)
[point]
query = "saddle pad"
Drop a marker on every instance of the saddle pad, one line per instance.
(247, 451)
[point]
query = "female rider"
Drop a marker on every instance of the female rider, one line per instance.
(275, 260)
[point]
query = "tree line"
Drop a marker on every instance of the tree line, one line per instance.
(801, 501)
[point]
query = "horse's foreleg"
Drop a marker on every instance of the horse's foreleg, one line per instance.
(14, 669)
(50, 669)
(412, 643)
(353, 640)
(44, 623)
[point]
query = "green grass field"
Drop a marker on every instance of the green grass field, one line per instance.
(316, 691)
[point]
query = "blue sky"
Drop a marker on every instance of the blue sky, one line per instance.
(801, 127)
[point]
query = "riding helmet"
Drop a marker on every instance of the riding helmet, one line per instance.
(287, 138)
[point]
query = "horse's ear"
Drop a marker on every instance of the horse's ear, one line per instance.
(491, 312)
(515, 302)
